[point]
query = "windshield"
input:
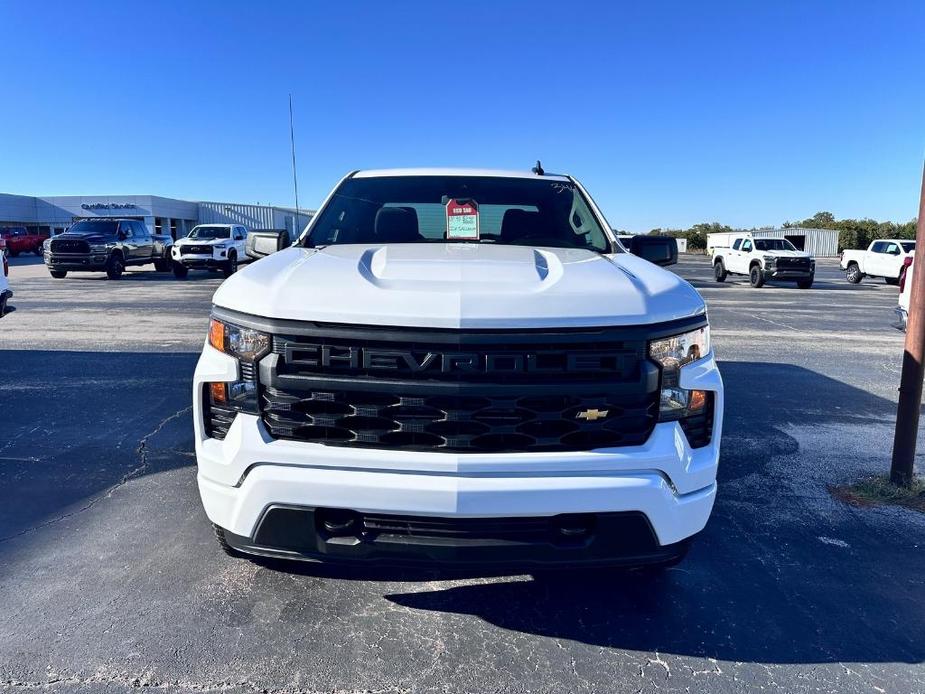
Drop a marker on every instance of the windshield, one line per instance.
(484, 209)
(98, 227)
(205, 233)
(774, 245)
(908, 246)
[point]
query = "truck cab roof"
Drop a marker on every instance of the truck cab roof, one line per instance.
(498, 173)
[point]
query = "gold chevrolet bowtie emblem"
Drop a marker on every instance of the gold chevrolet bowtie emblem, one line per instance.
(592, 415)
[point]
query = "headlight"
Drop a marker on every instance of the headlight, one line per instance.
(220, 245)
(246, 344)
(671, 353)
(770, 259)
(98, 248)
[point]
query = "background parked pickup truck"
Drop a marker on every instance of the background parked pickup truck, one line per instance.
(21, 240)
(108, 245)
(886, 258)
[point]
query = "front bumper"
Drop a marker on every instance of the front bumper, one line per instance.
(240, 478)
(192, 261)
(199, 260)
(95, 262)
(774, 273)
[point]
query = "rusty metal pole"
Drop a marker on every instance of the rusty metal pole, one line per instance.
(910, 382)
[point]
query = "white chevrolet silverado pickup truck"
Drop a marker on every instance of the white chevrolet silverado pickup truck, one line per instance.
(886, 258)
(458, 367)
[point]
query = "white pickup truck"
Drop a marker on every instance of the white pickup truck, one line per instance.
(463, 367)
(886, 258)
(212, 247)
(763, 259)
(905, 294)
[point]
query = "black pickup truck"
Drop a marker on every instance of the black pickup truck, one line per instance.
(106, 245)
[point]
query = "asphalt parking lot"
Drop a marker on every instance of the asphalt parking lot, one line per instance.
(110, 578)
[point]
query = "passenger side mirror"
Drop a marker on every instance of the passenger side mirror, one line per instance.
(261, 243)
(661, 250)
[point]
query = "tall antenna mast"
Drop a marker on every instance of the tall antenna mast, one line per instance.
(295, 180)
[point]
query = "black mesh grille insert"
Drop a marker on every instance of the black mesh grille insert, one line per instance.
(69, 246)
(460, 391)
(197, 250)
(793, 263)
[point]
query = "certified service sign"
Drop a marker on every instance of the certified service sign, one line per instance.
(462, 220)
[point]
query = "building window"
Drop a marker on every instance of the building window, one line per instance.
(173, 229)
(158, 225)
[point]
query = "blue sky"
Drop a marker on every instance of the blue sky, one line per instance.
(670, 113)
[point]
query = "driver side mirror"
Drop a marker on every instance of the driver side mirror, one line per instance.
(661, 250)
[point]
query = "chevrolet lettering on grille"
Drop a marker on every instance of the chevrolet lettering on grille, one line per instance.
(355, 358)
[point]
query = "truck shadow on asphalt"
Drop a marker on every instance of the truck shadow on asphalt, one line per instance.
(78, 424)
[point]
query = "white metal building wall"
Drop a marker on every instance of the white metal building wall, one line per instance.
(253, 216)
(822, 243)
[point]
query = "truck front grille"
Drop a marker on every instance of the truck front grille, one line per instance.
(793, 263)
(195, 250)
(464, 423)
(69, 246)
(461, 391)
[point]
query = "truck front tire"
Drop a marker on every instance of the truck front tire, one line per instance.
(231, 266)
(115, 267)
(58, 274)
(891, 280)
(756, 277)
(162, 265)
(853, 273)
(180, 271)
(805, 284)
(719, 271)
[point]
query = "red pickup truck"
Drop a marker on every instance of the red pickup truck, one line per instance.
(21, 240)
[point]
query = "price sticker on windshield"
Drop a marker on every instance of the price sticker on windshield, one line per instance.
(462, 220)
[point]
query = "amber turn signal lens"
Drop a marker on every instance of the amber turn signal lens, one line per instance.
(698, 400)
(217, 335)
(219, 393)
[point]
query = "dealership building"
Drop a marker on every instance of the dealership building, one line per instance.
(161, 215)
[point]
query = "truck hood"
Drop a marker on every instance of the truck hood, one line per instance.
(90, 237)
(787, 254)
(458, 286)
